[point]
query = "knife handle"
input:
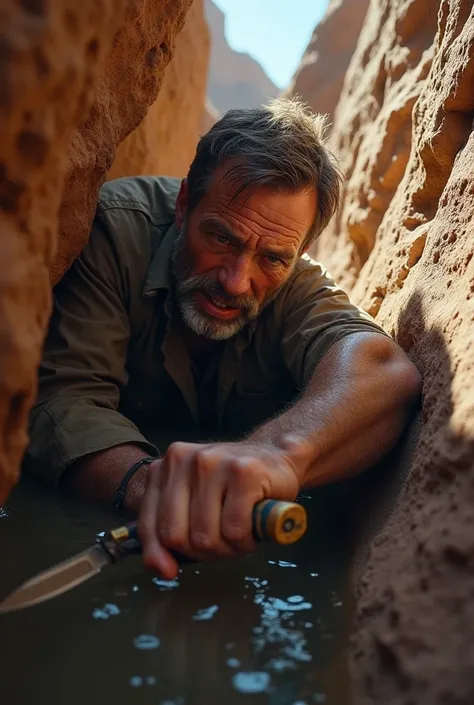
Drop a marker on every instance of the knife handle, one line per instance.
(272, 520)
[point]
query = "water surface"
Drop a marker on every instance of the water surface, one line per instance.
(268, 629)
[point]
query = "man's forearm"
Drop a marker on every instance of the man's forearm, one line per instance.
(352, 412)
(97, 476)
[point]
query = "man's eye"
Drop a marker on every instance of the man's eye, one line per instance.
(221, 239)
(273, 259)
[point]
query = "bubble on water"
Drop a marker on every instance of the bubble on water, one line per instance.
(308, 625)
(272, 562)
(165, 585)
(196, 572)
(251, 681)
(295, 598)
(233, 662)
(108, 610)
(314, 575)
(135, 588)
(206, 613)
(281, 664)
(273, 605)
(255, 582)
(286, 564)
(146, 642)
(136, 681)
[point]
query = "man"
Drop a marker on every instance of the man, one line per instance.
(192, 308)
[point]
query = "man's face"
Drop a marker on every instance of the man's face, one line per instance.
(233, 256)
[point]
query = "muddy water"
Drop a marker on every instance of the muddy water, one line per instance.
(268, 629)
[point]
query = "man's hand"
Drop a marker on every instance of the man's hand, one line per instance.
(199, 500)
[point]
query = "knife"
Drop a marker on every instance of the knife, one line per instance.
(272, 520)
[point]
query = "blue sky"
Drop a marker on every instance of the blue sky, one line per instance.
(275, 32)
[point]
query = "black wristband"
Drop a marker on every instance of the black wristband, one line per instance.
(119, 494)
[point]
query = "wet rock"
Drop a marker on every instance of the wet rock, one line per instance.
(76, 80)
(320, 76)
(165, 141)
(403, 243)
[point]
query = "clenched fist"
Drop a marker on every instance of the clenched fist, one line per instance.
(199, 500)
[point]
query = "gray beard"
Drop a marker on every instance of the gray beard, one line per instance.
(186, 285)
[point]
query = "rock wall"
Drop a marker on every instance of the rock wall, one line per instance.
(235, 79)
(76, 80)
(165, 141)
(321, 74)
(404, 243)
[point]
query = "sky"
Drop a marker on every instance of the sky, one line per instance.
(275, 32)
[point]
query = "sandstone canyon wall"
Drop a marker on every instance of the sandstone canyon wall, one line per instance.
(76, 80)
(165, 141)
(321, 74)
(403, 244)
(235, 79)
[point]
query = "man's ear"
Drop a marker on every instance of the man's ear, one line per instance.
(182, 203)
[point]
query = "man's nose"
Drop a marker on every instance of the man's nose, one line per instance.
(234, 277)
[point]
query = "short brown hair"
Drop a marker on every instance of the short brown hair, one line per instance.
(281, 144)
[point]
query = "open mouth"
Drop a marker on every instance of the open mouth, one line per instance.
(216, 308)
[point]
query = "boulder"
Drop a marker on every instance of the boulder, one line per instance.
(165, 141)
(321, 74)
(76, 80)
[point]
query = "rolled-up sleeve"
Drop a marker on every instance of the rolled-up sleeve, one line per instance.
(317, 314)
(84, 365)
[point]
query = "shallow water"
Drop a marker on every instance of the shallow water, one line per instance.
(268, 629)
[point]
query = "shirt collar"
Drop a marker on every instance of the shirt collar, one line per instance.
(159, 275)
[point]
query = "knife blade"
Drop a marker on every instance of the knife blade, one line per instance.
(272, 520)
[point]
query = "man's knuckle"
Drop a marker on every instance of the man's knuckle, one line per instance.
(242, 472)
(234, 531)
(207, 456)
(202, 541)
(171, 536)
(178, 450)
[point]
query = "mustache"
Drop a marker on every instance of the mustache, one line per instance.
(201, 282)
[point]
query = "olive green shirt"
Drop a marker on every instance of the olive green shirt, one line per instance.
(115, 368)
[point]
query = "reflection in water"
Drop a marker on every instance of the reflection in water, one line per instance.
(106, 611)
(137, 681)
(248, 682)
(146, 641)
(236, 632)
(206, 613)
(166, 584)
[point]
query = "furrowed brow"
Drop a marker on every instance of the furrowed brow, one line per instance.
(221, 228)
(285, 254)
